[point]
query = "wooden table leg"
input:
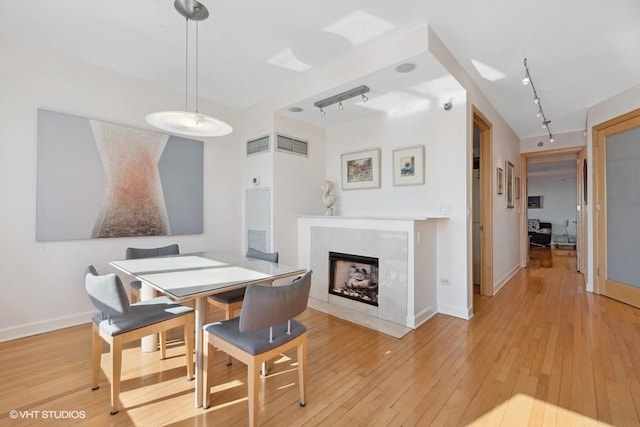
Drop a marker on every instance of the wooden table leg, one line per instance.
(201, 315)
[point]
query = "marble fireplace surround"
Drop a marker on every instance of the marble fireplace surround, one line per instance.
(407, 289)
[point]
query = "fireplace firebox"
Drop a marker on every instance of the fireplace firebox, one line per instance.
(354, 277)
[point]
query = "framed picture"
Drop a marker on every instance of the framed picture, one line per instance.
(408, 166)
(534, 202)
(517, 187)
(500, 180)
(509, 183)
(361, 170)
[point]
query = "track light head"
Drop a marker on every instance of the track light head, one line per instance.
(526, 80)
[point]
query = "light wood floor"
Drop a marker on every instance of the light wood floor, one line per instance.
(541, 352)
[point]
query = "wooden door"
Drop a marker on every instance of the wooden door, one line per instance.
(617, 208)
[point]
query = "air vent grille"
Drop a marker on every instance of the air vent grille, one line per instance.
(258, 145)
(292, 145)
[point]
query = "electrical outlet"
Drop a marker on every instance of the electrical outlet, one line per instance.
(445, 282)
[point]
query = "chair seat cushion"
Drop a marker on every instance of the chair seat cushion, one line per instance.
(142, 314)
(229, 296)
(255, 342)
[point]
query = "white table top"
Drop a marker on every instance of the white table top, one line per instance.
(187, 276)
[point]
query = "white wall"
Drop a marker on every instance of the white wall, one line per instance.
(562, 140)
(506, 146)
(610, 108)
(42, 284)
(296, 185)
(559, 200)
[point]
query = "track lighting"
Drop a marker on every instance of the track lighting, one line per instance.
(527, 80)
(337, 99)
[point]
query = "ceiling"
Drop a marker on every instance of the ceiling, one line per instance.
(579, 52)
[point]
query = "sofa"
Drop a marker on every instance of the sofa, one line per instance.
(539, 232)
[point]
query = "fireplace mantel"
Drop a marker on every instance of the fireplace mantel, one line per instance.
(406, 249)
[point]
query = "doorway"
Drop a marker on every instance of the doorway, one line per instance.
(617, 214)
(567, 227)
(482, 203)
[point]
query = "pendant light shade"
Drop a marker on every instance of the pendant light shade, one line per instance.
(186, 122)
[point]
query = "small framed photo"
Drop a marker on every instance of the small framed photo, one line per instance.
(534, 202)
(509, 183)
(361, 170)
(500, 180)
(408, 166)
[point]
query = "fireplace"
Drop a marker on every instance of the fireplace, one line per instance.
(354, 277)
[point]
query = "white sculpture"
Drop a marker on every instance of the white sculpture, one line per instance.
(328, 197)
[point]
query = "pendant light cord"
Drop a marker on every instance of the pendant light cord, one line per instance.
(186, 65)
(197, 67)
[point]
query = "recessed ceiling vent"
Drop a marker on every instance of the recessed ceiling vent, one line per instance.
(258, 145)
(292, 145)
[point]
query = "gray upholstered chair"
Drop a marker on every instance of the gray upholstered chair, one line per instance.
(134, 253)
(264, 329)
(119, 323)
(231, 301)
(135, 286)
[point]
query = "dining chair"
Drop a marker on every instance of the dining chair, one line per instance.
(135, 286)
(120, 322)
(231, 301)
(264, 329)
(134, 253)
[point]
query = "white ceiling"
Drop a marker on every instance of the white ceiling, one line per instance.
(579, 51)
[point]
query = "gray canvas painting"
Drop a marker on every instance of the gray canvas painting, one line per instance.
(99, 179)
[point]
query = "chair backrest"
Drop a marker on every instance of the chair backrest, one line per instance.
(266, 306)
(265, 256)
(106, 292)
(134, 253)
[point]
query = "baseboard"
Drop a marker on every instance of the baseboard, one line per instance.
(506, 279)
(48, 325)
(454, 311)
(425, 315)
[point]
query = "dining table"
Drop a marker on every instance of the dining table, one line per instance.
(196, 276)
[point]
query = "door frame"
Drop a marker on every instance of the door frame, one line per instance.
(581, 226)
(486, 195)
(599, 132)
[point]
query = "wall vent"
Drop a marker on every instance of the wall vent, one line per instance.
(258, 145)
(292, 145)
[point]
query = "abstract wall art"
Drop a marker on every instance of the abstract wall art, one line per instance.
(99, 179)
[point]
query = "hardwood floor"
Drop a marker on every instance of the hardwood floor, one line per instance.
(541, 352)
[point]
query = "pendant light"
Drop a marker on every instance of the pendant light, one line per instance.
(186, 122)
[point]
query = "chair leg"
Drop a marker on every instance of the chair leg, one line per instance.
(162, 336)
(116, 369)
(229, 315)
(208, 352)
(253, 383)
(302, 368)
(97, 355)
(188, 348)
